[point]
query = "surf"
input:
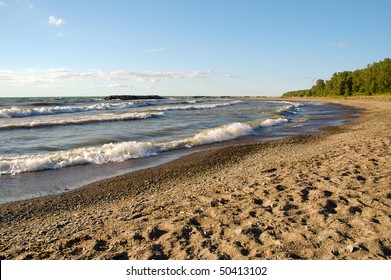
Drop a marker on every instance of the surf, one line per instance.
(118, 152)
(23, 112)
(81, 120)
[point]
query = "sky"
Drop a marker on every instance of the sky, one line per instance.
(185, 47)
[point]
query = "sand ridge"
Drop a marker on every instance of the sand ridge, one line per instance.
(308, 197)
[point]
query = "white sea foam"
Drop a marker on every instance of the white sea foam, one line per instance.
(80, 120)
(220, 134)
(230, 131)
(285, 108)
(267, 123)
(295, 104)
(94, 155)
(118, 152)
(21, 112)
(290, 107)
(196, 106)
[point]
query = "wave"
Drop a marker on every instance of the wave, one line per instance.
(118, 152)
(196, 106)
(158, 111)
(20, 112)
(290, 108)
(267, 123)
(94, 155)
(81, 120)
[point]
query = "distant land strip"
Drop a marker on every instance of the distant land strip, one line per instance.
(132, 97)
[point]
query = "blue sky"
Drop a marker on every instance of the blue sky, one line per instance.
(187, 47)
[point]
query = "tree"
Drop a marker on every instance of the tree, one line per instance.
(374, 79)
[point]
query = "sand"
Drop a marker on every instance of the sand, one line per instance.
(323, 196)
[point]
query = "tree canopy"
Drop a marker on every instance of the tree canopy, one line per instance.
(372, 80)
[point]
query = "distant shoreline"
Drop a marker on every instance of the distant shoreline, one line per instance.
(132, 97)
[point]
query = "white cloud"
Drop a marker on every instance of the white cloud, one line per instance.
(117, 85)
(28, 4)
(154, 50)
(51, 86)
(340, 45)
(304, 56)
(120, 78)
(154, 76)
(55, 21)
(110, 86)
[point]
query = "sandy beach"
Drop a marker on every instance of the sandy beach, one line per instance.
(324, 196)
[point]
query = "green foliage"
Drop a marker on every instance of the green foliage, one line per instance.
(375, 79)
(298, 93)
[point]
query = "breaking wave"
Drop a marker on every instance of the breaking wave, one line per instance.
(22, 112)
(196, 106)
(81, 120)
(118, 152)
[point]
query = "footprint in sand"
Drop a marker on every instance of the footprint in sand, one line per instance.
(354, 210)
(101, 245)
(156, 233)
(329, 208)
(158, 253)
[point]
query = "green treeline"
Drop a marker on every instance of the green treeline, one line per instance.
(375, 79)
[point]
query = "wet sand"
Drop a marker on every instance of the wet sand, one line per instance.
(322, 196)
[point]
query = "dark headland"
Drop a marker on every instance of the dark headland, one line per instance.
(132, 97)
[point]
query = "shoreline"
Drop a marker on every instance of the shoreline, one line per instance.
(298, 198)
